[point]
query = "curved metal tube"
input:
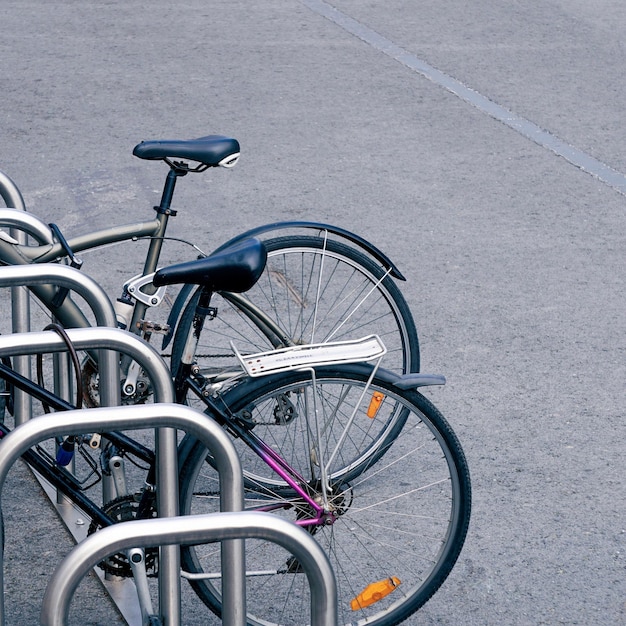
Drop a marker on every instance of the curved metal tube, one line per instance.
(28, 223)
(10, 193)
(19, 298)
(63, 276)
(195, 529)
(137, 417)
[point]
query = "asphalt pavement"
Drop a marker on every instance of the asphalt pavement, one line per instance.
(480, 145)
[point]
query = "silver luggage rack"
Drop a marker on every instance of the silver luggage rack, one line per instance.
(311, 355)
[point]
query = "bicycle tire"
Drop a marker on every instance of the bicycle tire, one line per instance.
(292, 293)
(404, 517)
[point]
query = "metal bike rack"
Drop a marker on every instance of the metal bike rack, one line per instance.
(195, 529)
(138, 417)
(116, 340)
(23, 224)
(63, 276)
(131, 345)
(66, 277)
(87, 288)
(19, 298)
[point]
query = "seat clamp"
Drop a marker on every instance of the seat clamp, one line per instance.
(163, 211)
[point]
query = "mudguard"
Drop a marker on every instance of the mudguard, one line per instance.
(413, 381)
(404, 382)
(382, 258)
(336, 230)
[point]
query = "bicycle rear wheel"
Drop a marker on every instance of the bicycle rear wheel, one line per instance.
(400, 518)
(313, 290)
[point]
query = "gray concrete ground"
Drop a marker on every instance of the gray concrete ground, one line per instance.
(515, 258)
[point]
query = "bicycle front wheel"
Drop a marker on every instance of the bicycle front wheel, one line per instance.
(313, 290)
(398, 523)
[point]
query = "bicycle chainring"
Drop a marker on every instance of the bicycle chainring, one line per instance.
(124, 509)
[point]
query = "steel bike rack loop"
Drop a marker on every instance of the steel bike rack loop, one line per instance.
(194, 529)
(21, 221)
(10, 193)
(63, 276)
(137, 417)
(87, 288)
(20, 304)
(116, 340)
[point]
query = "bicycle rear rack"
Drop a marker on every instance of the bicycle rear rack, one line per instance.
(312, 355)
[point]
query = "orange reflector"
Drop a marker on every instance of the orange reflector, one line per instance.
(374, 592)
(375, 402)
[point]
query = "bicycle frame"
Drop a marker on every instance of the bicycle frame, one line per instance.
(185, 382)
(65, 483)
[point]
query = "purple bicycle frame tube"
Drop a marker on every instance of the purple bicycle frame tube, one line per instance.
(287, 473)
(277, 464)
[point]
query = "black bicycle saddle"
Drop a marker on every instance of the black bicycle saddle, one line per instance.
(211, 151)
(235, 269)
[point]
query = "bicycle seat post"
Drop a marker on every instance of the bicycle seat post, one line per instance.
(168, 190)
(164, 212)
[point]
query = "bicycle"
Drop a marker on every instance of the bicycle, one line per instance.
(235, 401)
(345, 450)
(361, 428)
(315, 287)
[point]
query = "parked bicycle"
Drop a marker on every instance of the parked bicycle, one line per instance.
(372, 469)
(330, 284)
(349, 451)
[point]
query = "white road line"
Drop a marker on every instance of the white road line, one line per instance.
(524, 127)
